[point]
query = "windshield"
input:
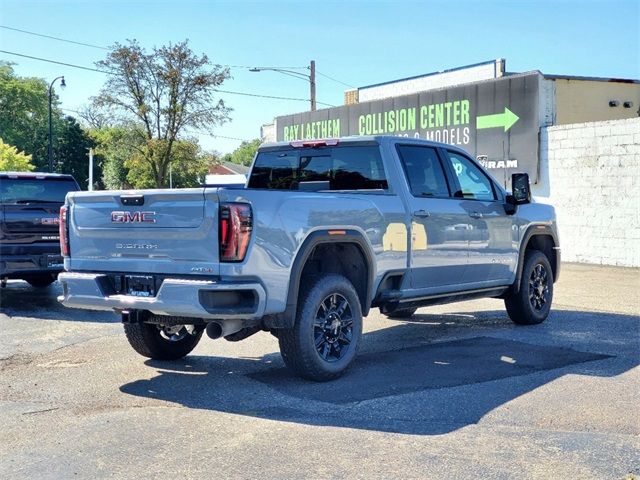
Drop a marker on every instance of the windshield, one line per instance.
(35, 190)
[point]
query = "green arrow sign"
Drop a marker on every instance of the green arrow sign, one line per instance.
(506, 120)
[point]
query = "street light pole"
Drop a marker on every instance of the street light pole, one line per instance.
(311, 78)
(50, 146)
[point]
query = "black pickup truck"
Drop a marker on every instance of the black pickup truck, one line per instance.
(29, 219)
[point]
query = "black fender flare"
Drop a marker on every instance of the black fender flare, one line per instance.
(286, 319)
(531, 232)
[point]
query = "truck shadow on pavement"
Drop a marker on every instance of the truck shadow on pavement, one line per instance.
(432, 385)
(19, 299)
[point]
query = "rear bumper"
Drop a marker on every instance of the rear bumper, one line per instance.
(206, 299)
(16, 266)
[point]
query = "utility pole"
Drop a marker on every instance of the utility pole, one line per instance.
(311, 78)
(170, 176)
(312, 84)
(90, 169)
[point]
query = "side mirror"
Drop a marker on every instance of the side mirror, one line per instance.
(521, 188)
(521, 193)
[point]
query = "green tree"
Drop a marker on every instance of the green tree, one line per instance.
(24, 112)
(243, 155)
(167, 91)
(191, 165)
(114, 146)
(24, 122)
(13, 161)
(188, 167)
(71, 151)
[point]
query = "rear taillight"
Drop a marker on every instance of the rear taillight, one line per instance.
(234, 231)
(64, 231)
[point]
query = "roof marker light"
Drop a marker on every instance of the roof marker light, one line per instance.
(329, 142)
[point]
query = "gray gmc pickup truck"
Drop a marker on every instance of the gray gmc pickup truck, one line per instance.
(324, 231)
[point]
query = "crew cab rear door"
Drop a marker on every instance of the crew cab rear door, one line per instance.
(438, 222)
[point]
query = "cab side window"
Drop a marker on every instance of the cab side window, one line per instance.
(474, 184)
(424, 171)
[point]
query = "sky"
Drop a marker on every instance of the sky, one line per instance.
(356, 43)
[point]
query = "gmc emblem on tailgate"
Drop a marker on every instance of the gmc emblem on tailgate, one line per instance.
(133, 217)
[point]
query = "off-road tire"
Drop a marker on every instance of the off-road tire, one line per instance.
(147, 340)
(298, 344)
(398, 313)
(40, 281)
(524, 307)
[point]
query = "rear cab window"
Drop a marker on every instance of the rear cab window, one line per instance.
(27, 189)
(337, 168)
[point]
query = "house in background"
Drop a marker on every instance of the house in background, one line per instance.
(227, 174)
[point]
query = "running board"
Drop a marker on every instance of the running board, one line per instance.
(396, 297)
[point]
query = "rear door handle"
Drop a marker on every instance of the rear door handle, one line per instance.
(421, 213)
(475, 215)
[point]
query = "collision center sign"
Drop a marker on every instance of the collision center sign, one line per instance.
(496, 121)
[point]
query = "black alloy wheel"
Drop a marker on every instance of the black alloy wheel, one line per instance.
(325, 337)
(531, 302)
(539, 287)
(333, 327)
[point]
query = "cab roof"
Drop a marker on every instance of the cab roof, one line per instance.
(356, 140)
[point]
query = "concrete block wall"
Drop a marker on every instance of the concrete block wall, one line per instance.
(590, 172)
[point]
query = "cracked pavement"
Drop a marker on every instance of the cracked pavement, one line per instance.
(457, 392)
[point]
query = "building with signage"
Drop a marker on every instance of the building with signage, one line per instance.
(578, 138)
(493, 114)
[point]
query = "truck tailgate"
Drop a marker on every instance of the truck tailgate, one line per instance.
(146, 231)
(28, 223)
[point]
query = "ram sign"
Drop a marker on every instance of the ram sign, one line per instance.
(496, 121)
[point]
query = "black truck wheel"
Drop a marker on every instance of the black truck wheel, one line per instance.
(162, 342)
(40, 281)
(398, 313)
(326, 335)
(532, 303)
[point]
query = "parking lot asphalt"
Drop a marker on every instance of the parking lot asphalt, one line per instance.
(458, 391)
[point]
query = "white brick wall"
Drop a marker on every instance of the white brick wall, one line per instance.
(485, 71)
(590, 172)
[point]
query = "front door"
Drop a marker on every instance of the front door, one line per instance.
(438, 247)
(493, 248)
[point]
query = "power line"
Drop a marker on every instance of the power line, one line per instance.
(224, 136)
(335, 80)
(56, 62)
(53, 38)
(270, 96)
(200, 133)
(66, 40)
(111, 73)
(60, 39)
